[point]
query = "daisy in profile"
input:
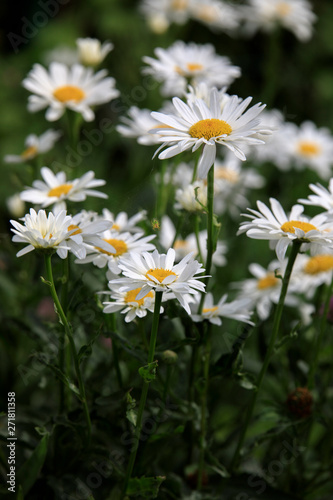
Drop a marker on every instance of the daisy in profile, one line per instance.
(55, 189)
(76, 88)
(91, 51)
(183, 247)
(158, 272)
(183, 64)
(122, 245)
(237, 309)
(293, 15)
(122, 223)
(263, 290)
(35, 145)
(128, 304)
(195, 124)
(137, 125)
(83, 232)
(47, 233)
(322, 198)
(281, 230)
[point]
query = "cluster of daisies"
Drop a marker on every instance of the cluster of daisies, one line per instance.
(236, 19)
(314, 263)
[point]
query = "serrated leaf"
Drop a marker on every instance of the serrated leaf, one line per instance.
(148, 372)
(28, 473)
(144, 487)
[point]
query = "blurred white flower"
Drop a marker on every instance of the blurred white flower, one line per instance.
(237, 309)
(35, 145)
(91, 51)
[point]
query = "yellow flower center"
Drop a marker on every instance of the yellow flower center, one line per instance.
(130, 296)
(289, 227)
(159, 274)
(194, 67)
(179, 244)
(319, 264)
(283, 9)
(211, 127)
(307, 148)
(209, 309)
(116, 227)
(69, 93)
(73, 226)
(60, 190)
(206, 13)
(119, 246)
(30, 152)
(179, 4)
(226, 174)
(268, 281)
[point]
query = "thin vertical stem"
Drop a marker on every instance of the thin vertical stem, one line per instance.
(144, 393)
(68, 333)
(111, 321)
(319, 337)
(210, 229)
(275, 330)
(197, 231)
(64, 354)
(206, 359)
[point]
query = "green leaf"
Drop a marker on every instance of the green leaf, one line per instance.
(28, 473)
(148, 372)
(144, 487)
(86, 350)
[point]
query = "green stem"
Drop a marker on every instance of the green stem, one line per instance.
(144, 393)
(68, 333)
(319, 338)
(210, 230)
(178, 228)
(64, 353)
(206, 360)
(275, 330)
(197, 238)
(111, 321)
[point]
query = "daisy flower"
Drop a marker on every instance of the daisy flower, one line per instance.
(184, 246)
(192, 198)
(237, 309)
(274, 225)
(215, 14)
(43, 232)
(55, 189)
(309, 146)
(91, 51)
(161, 14)
(137, 125)
(231, 184)
(263, 290)
(293, 15)
(127, 303)
(15, 205)
(76, 88)
(183, 64)
(84, 232)
(35, 145)
(123, 244)
(311, 272)
(122, 223)
(200, 125)
(322, 198)
(154, 271)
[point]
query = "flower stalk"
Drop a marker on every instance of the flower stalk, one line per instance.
(144, 393)
(69, 336)
(275, 330)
